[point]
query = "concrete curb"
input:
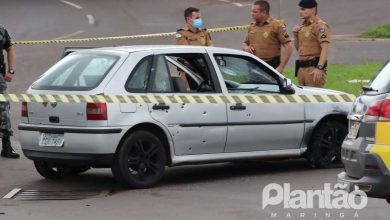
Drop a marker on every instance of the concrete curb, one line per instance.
(355, 37)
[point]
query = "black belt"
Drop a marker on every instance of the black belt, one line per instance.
(274, 62)
(307, 63)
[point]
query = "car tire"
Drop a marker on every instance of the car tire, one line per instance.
(140, 161)
(52, 171)
(324, 150)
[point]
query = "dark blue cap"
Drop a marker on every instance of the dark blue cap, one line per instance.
(308, 3)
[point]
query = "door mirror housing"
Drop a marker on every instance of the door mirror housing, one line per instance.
(288, 86)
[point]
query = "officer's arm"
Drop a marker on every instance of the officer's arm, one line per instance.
(11, 63)
(296, 44)
(286, 56)
(209, 42)
(11, 57)
(284, 39)
(246, 46)
(296, 30)
(324, 53)
(324, 38)
(181, 39)
(245, 43)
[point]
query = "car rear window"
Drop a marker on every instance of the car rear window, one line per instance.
(381, 82)
(76, 72)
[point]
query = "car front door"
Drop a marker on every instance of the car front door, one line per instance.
(195, 128)
(258, 127)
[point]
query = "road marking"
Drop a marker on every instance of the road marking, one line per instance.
(71, 4)
(91, 19)
(240, 5)
(12, 193)
(69, 35)
(235, 3)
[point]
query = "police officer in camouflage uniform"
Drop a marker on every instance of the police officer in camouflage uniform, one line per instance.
(192, 33)
(6, 76)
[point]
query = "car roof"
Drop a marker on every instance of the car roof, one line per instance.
(136, 48)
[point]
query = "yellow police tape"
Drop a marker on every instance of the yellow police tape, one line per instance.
(179, 99)
(213, 30)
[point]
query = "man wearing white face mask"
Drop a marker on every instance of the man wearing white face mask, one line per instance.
(192, 33)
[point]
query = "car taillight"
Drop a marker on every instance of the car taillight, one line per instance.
(24, 109)
(96, 111)
(378, 111)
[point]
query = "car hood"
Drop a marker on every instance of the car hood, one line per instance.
(305, 90)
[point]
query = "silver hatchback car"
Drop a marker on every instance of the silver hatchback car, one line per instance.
(138, 140)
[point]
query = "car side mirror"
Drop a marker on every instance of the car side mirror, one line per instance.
(288, 86)
(287, 82)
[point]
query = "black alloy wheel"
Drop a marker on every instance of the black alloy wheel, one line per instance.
(140, 162)
(325, 147)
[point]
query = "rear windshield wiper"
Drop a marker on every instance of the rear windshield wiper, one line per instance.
(367, 88)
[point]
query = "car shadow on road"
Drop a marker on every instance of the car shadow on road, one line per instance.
(232, 170)
(93, 180)
(101, 180)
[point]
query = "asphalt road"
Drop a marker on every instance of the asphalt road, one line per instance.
(218, 191)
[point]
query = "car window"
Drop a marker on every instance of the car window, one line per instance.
(65, 75)
(76, 72)
(138, 80)
(381, 82)
(246, 75)
(162, 81)
(188, 73)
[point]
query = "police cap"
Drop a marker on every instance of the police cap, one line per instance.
(308, 3)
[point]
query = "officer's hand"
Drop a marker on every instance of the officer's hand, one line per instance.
(8, 77)
(318, 75)
(249, 49)
(296, 29)
(279, 69)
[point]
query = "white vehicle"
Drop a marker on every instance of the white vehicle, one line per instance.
(139, 140)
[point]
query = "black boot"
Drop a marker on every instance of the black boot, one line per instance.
(7, 150)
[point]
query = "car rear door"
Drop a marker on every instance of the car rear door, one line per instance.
(196, 128)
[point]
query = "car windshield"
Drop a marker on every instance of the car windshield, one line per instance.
(381, 82)
(76, 72)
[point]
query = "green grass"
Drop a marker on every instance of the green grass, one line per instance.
(339, 74)
(381, 31)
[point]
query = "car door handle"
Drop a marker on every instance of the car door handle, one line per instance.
(237, 107)
(160, 107)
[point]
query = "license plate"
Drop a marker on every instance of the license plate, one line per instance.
(353, 130)
(51, 140)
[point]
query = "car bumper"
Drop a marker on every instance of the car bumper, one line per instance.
(80, 144)
(365, 167)
(373, 185)
(94, 160)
